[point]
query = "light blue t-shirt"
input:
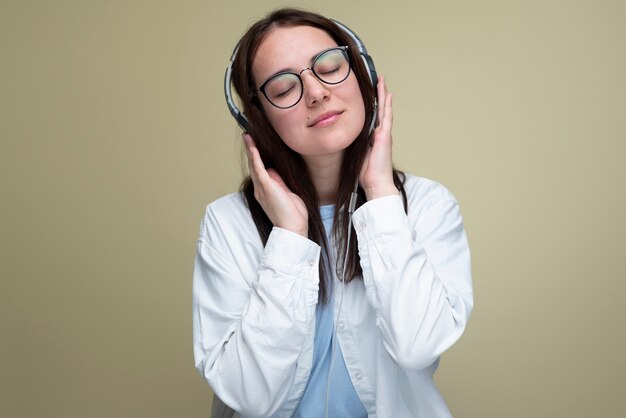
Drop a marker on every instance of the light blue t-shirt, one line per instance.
(343, 400)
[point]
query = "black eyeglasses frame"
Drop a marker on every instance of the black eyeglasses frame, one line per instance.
(343, 49)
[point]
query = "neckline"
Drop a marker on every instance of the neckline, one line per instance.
(327, 212)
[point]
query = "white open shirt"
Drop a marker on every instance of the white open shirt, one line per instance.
(254, 306)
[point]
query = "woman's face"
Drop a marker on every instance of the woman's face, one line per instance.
(328, 118)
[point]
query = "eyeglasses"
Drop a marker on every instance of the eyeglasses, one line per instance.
(284, 90)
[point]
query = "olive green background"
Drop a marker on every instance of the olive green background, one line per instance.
(114, 137)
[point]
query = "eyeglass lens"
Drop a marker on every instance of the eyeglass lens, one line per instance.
(285, 90)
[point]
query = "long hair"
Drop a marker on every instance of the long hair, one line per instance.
(289, 164)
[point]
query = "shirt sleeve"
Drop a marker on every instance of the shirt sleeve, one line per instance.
(249, 331)
(417, 275)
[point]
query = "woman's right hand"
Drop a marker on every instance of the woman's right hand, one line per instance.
(284, 208)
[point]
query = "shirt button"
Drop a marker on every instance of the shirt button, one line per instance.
(341, 325)
(362, 227)
(311, 262)
(358, 376)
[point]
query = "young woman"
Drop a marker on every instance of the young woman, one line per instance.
(295, 313)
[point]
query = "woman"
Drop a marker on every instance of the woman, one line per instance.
(294, 315)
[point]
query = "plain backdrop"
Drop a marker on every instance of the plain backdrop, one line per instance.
(115, 136)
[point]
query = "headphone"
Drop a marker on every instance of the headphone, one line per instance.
(241, 118)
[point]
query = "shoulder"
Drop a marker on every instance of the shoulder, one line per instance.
(423, 194)
(232, 204)
(226, 219)
(430, 202)
(435, 215)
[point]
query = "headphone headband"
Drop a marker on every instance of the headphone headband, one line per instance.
(241, 118)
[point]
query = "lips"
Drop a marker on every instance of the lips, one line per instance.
(325, 118)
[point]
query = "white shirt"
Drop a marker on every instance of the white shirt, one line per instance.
(254, 306)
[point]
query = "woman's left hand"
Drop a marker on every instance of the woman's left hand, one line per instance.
(376, 176)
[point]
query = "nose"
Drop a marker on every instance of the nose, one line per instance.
(314, 90)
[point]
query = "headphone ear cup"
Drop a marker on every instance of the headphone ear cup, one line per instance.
(371, 70)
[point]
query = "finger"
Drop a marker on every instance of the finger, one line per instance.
(247, 144)
(381, 99)
(386, 108)
(250, 145)
(388, 117)
(382, 139)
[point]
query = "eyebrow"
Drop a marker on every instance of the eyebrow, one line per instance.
(291, 70)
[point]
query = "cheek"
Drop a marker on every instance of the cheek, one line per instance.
(284, 123)
(359, 109)
(275, 117)
(355, 99)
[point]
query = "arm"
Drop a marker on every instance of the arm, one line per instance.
(416, 271)
(251, 323)
(249, 326)
(417, 275)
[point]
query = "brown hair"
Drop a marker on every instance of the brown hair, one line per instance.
(289, 164)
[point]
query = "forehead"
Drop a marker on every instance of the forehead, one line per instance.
(289, 48)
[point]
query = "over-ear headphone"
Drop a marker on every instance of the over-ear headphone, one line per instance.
(241, 118)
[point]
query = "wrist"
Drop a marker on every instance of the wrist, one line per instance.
(303, 231)
(381, 191)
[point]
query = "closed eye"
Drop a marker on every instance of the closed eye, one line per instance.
(284, 92)
(331, 71)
